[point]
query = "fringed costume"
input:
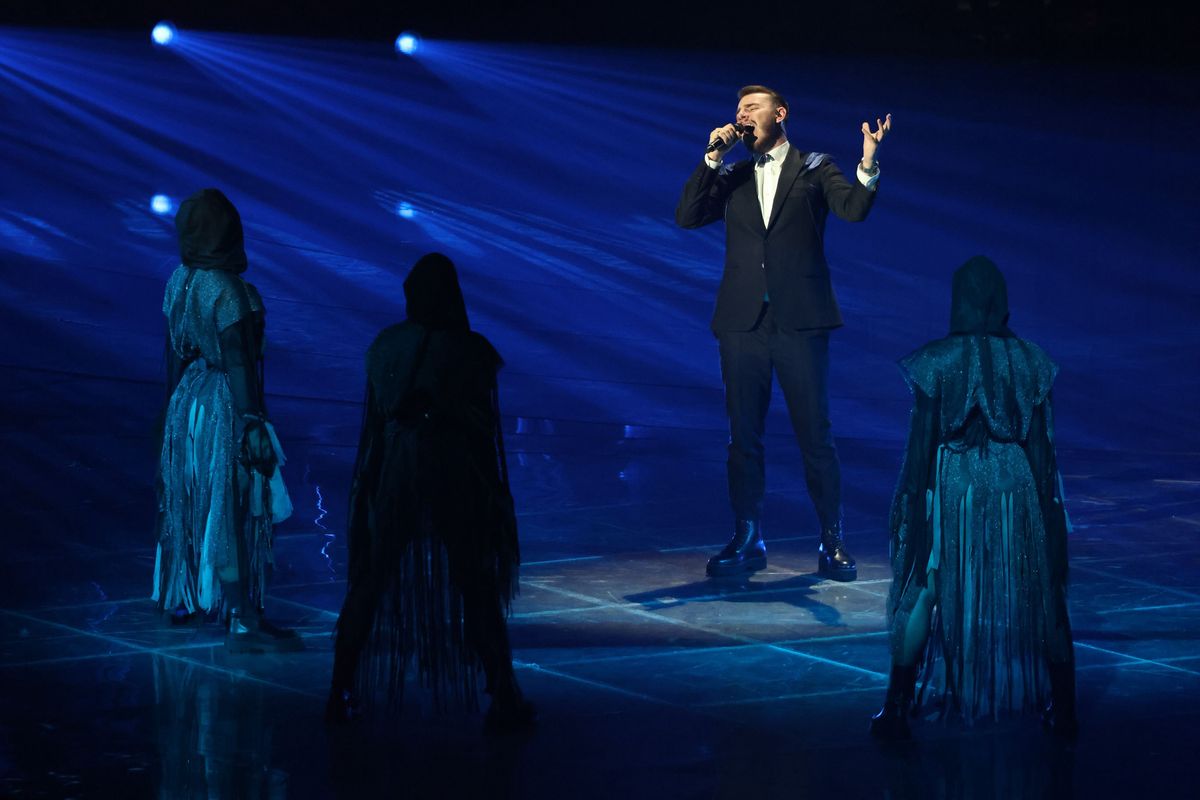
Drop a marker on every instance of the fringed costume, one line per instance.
(978, 525)
(432, 531)
(219, 486)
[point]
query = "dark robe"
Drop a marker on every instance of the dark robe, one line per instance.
(432, 531)
(979, 502)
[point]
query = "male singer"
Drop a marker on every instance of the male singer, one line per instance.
(776, 307)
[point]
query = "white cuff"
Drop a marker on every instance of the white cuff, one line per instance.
(713, 164)
(866, 180)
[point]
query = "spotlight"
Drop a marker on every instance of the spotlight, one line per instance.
(405, 210)
(163, 33)
(408, 43)
(161, 204)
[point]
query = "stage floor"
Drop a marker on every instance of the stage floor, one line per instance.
(652, 681)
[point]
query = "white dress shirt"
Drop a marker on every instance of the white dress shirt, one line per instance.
(766, 177)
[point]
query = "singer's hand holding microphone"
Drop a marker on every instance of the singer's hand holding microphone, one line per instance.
(721, 139)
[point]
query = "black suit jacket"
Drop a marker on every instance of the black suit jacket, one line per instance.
(787, 257)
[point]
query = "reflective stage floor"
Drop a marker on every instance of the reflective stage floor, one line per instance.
(652, 681)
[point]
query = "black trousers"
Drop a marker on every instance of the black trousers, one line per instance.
(800, 360)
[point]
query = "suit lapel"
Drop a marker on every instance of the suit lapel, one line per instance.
(746, 195)
(792, 166)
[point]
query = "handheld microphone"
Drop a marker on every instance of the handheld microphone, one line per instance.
(717, 144)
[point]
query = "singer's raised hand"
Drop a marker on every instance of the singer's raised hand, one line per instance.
(872, 138)
(727, 136)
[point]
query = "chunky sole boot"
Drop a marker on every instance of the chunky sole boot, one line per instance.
(723, 568)
(835, 572)
(833, 560)
(746, 552)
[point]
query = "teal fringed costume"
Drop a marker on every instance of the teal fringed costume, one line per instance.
(220, 491)
(215, 510)
(978, 525)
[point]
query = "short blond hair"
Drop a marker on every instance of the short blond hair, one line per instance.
(776, 97)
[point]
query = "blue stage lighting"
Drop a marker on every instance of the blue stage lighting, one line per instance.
(406, 210)
(163, 33)
(161, 204)
(408, 43)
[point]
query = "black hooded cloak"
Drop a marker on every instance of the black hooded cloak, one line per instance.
(432, 531)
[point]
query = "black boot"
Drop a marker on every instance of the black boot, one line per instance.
(343, 705)
(745, 552)
(487, 634)
(247, 630)
(891, 722)
(249, 633)
(833, 561)
(1059, 717)
(509, 712)
(271, 629)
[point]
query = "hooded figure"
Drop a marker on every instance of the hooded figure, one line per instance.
(978, 526)
(218, 482)
(979, 300)
(432, 532)
(210, 232)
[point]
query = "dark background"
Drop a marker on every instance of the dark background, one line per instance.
(1114, 31)
(1058, 138)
